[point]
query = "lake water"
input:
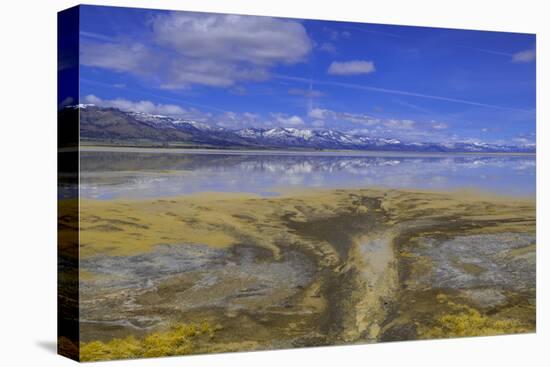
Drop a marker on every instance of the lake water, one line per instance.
(153, 174)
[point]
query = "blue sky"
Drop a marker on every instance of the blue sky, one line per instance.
(411, 83)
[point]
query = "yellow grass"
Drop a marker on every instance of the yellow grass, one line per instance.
(462, 320)
(179, 339)
(125, 227)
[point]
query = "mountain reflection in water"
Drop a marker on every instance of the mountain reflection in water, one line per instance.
(107, 175)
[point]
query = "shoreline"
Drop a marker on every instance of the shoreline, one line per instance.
(288, 193)
(339, 153)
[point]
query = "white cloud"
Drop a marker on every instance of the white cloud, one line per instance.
(317, 118)
(90, 98)
(525, 139)
(135, 58)
(249, 39)
(220, 50)
(351, 67)
(240, 120)
(522, 140)
(234, 120)
(399, 124)
(335, 35)
(364, 123)
(318, 113)
(285, 120)
(227, 119)
(525, 56)
(327, 47)
(209, 72)
(439, 125)
(205, 49)
(140, 106)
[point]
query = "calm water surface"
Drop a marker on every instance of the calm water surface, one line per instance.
(118, 174)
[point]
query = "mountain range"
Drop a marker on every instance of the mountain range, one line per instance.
(107, 125)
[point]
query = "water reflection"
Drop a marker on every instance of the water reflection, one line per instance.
(107, 175)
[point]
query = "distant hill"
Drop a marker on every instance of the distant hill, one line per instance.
(100, 125)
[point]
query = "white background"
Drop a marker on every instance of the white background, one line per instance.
(28, 181)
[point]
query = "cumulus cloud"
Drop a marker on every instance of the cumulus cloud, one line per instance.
(205, 49)
(210, 73)
(250, 39)
(524, 56)
(234, 120)
(351, 67)
(139, 106)
(134, 58)
(318, 113)
(525, 139)
(365, 124)
(239, 120)
(286, 120)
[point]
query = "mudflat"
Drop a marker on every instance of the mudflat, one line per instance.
(321, 267)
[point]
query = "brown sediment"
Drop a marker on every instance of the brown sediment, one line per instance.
(315, 268)
(425, 310)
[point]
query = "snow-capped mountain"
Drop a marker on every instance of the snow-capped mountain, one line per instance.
(293, 135)
(331, 139)
(171, 122)
(101, 125)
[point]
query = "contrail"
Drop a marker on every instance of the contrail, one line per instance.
(487, 51)
(367, 30)
(96, 36)
(395, 35)
(310, 97)
(399, 92)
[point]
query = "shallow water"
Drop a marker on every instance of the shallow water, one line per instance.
(130, 294)
(484, 260)
(121, 174)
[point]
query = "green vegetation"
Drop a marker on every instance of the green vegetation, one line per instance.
(179, 339)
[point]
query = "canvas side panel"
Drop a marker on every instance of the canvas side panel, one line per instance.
(68, 202)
